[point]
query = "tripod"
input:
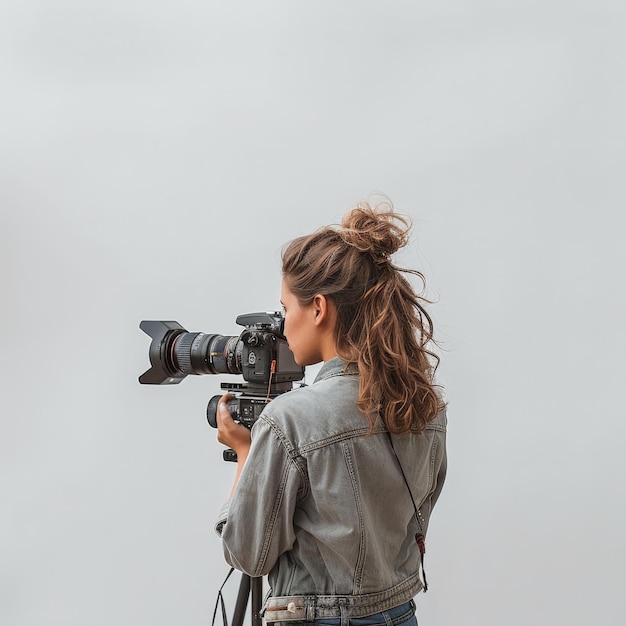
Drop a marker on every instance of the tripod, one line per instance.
(249, 587)
(253, 588)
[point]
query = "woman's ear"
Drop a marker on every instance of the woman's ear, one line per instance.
(321, 309)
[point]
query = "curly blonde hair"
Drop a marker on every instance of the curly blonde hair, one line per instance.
(382, 324)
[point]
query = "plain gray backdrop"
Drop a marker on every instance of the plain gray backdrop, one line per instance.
(155, 157)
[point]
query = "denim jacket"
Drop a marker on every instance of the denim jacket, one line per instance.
(321, 505)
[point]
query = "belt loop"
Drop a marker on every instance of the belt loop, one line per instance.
(343, 611)
(310, 608)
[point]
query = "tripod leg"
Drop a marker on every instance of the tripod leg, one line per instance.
(253, 588)
(257, 600)
(242, 600)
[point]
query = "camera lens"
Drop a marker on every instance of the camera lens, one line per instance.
(201, 353)
(211, 410)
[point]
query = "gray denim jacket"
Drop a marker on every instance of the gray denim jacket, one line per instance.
(322, 507)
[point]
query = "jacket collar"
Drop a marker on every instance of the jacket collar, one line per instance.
(336, 367)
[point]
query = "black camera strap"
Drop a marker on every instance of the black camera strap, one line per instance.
(419, 536)
(220, 601)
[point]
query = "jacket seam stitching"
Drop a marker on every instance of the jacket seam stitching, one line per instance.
(293, 455)
(349, 434)
(358, 574)
(272, 521)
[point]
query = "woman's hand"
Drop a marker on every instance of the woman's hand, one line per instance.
(233, 435)
(229, 432)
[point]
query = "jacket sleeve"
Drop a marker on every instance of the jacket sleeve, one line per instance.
(256, 524)
(439, 464)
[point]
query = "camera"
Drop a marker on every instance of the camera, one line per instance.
(260, 354)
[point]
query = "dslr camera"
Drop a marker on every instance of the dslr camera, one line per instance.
(260, 354)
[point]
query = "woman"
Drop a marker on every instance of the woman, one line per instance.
(335, 485)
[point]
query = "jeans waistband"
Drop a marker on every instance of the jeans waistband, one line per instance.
(310, 607)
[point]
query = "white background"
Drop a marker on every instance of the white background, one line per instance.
(155, 157)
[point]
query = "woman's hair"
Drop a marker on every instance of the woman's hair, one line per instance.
(382, 324)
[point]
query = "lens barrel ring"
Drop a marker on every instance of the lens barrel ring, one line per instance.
(184, 350)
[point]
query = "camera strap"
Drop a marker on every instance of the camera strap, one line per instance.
(220, 601)
(419, 536)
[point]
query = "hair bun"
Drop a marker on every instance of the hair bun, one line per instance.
(378, 231)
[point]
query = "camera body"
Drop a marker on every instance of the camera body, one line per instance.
(244, 408)
(265, 357)
(260, 354)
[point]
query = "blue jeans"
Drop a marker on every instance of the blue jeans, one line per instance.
(403, 615)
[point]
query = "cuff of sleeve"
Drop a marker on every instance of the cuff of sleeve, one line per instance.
(222, 517)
